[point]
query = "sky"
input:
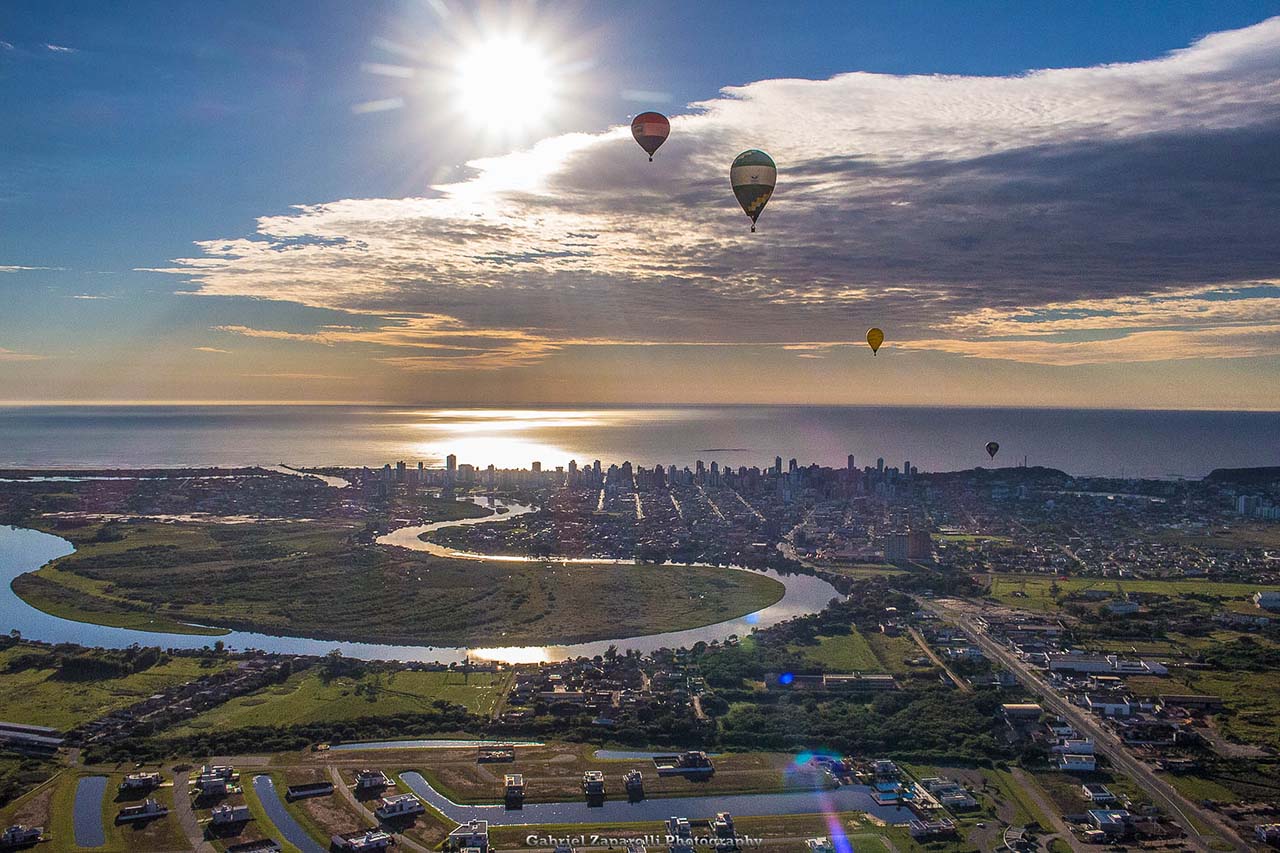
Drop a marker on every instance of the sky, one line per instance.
(416, 202)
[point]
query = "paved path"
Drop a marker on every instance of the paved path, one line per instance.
(1050, 810)
(965, 687)
(341, 787)
(186, 816)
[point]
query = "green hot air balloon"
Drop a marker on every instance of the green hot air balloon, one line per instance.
(753, 176)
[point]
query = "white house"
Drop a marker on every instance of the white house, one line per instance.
(399, 805)
(1267, 599)
(1098, 794)
(1108, 707)
(472, 835)
(1073, 746)
(1077, 763)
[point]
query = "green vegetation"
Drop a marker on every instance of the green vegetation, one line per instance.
(894, 652)
(443, 718)
(161, 834)
(1037, 592)
(327, 580)
(64, 688)
(58, 595)
(1025, 809)
(848, 653)
(1197, 788)
(310, 697)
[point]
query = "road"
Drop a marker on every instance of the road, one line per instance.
(186, 816)
(1161, 792)
(965, 687)
(341, 787)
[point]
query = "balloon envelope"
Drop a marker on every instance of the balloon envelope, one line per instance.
(753, 175)
(992, 448)
(650, 130)
(875, 338)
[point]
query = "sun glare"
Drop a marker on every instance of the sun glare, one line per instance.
(505, 84)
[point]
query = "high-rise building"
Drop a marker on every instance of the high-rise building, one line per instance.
(451, 465)
(400, 471)
(777, 465)
(880, 465)
(792, 465)
(851, 466)
(537, 467)
(901, 547)
(906, 468)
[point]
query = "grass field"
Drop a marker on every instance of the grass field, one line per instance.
(849, 653)
(305, 698)
(162, 834)
(894, 652)
(40, 697)
(1197, 788)
(315, 579)
(861, 570)
(1033, 592)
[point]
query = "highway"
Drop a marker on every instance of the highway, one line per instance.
(1162, 793)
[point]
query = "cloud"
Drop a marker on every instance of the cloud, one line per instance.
(90, 296)
(302, 376)
(60, 48)
(10, 355)
(212, 349)
(958, 213)
(18, 268)
(1162, 345)
(6, 45)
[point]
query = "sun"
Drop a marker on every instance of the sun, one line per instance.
(505, 85)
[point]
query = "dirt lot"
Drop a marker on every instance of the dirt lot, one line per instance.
(554, 773)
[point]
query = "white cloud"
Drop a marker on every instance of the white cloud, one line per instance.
(10, 355)
(955, 212)
(60, 48)
(213, 350)
(19, 268)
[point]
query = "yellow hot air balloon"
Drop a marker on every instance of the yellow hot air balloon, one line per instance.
(875, 338)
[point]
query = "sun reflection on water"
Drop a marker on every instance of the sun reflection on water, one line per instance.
(510, 438)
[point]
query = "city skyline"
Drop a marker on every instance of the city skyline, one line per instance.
(1040, 207)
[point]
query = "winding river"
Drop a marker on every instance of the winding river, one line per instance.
(24, 550)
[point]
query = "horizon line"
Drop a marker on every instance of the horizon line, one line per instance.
(17, 404)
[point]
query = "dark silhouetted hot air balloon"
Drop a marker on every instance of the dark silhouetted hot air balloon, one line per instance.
(993, 448)
(875, 338)
(650, 130)
(753, 176)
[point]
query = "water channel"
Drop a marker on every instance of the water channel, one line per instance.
(617, 809)
(274, 807)
(86, 814)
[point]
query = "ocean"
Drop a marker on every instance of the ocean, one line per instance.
(1099, 442)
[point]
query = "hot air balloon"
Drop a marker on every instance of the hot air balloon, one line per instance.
(875, 338)
(753, 176)
(650, 130)
(993, 448)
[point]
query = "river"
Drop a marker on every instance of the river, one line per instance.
(24, 550)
